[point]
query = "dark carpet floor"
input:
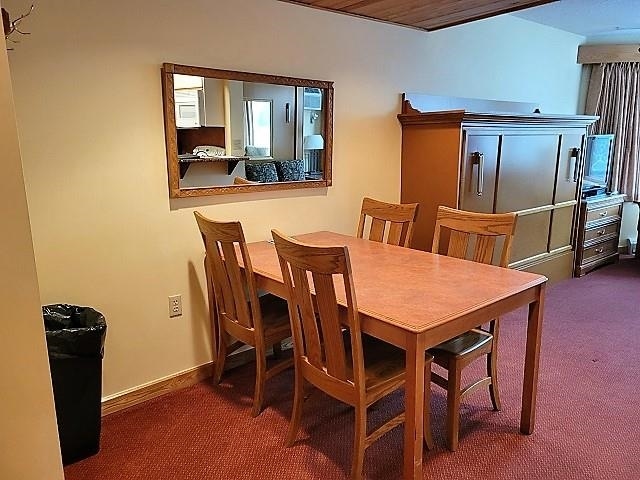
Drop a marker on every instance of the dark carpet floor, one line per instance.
(587, 419)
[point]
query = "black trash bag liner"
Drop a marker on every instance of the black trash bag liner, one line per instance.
(75, 341)
(74, 331)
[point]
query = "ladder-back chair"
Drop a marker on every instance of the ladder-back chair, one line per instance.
(354, 368)
(398, 217)
(472, 236)
(259, 321)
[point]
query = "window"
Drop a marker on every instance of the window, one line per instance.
(258, 133)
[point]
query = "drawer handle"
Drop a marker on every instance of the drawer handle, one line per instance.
(604, 214)
(599, 250)
(601, 232)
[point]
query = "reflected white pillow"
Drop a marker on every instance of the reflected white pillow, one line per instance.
(209, 151)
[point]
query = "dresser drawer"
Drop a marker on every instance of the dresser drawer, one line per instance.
(601, 231)
(603, 213)
(600, 250)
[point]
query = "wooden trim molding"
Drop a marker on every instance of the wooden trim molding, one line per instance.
(411, 116)
(140, 394)
(609, 53)
(540, 258)
(143, 393)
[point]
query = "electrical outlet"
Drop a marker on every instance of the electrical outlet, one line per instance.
(175, 305)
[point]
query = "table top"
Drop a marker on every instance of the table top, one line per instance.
(411, 288)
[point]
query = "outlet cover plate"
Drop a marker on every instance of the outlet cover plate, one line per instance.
(175, 305)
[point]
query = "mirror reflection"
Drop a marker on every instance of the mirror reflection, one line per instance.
(258, 132)
(234, 130)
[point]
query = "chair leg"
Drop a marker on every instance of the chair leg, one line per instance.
(261, 374)
(222, 357)
(492, 368)
(426, 425)
(296, 413)
(453, 404)
(360, 436)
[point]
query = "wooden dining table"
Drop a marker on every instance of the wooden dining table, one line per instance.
(416, 300)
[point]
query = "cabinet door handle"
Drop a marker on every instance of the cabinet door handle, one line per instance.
(478, 159)
(575, 154)
(601, 232)
(599, 250)
(604, 214)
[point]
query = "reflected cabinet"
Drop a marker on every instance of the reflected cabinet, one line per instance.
(493, 163)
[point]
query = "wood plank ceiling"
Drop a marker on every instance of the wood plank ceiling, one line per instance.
(422, 14)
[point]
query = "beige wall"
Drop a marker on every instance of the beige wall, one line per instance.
(87, 85)
(29, 448)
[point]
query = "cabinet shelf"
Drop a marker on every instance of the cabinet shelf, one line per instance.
(186, 160)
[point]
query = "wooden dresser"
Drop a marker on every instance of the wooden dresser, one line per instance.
(499, 162)
(598, 232)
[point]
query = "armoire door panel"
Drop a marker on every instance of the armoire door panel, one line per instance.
(561, 227)
(568, 167)
(531, 237)
(527, 171)
(478, 176)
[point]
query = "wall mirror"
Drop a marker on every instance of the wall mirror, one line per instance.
(234, 132)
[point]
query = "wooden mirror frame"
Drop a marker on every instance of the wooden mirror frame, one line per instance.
(171, 133)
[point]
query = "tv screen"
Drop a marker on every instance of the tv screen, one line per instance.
(597, 164)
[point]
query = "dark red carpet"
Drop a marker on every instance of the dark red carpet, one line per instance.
(587, 417)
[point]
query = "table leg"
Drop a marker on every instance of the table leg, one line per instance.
(532, 357)
(414, 407)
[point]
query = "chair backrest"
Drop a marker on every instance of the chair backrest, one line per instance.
(234, 289)
(213, 310)
(484, 228)
(400, 218)
(316, 322)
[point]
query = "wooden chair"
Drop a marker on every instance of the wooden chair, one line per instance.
(353, 368)
(243, 181)
(400, 218)
(457, 353)
(252, 320)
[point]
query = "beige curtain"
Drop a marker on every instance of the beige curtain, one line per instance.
(618, 105)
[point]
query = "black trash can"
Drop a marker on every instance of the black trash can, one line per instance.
(75, 342)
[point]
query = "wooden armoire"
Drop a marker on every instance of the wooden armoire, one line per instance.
(526, 163)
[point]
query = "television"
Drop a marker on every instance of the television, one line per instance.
(597, 164)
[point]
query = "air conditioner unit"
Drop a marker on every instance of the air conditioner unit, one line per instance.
(312, 98)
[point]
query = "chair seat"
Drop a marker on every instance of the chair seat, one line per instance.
(462, 344)
(383, 362)
(275, 316)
